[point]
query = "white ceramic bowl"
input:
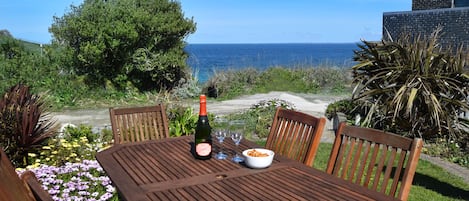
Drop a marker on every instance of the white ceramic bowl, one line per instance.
(258, 161)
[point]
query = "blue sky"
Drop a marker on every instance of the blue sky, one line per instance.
(235, 21)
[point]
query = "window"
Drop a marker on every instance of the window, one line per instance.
(461, 3)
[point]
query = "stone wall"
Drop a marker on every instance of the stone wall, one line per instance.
(431, 4)
(454, 21)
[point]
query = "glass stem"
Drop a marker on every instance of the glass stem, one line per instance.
(236, 149)
(221, 147)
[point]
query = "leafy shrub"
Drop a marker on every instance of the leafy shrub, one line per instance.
(135, 45)
(230, 83)
(259, 117)
(447, 149)
(182, 121)
(24, 123)
(79, 132)
(348, 107)
(343, 106)
(283, 79)
(334, 80)
(106, 137)
(29, 64)
(186, 89)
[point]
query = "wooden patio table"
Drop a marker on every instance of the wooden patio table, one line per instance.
(166, 170)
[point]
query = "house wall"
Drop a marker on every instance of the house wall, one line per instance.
(454, 21)
(431, 4)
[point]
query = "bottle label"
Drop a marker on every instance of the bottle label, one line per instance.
(203, 149)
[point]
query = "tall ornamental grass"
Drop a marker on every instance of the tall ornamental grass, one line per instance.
(414, 87)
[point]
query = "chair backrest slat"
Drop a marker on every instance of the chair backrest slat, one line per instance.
(363, 161)
(369, 172)
(139, 123)
(389, 168)
(295, 135)
(355, 164)
(384, 162)
(379, 170)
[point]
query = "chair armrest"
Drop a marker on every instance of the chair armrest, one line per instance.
(36, 188)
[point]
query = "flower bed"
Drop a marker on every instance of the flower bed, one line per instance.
(75, 181)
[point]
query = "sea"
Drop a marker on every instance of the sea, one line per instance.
(207, 59)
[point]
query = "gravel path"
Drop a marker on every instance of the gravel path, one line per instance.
(311, 104)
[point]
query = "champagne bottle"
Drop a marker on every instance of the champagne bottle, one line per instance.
(203, 137)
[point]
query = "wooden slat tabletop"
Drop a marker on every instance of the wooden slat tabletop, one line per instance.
(166, 170)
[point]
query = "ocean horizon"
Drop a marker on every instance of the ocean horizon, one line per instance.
(207, 59)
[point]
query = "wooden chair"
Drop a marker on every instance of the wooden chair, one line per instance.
(13, 188)
(36, 188)
(384, 162)
(295, 135)
(139, 124)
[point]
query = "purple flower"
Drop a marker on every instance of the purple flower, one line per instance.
(75, 181)
(94, 194)
(53, 191)
(105, 196)
(110, 189)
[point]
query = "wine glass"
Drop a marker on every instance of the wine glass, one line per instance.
(220, 125)
(237, 137)
(237, 129)
(220, 135)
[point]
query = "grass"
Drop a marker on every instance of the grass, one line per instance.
(431, 182)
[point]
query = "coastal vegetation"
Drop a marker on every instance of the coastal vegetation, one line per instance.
(414, 87)
(108, 53)
(125, 43)
(233, 83)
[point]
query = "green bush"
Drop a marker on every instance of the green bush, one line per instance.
(182, 121)
(259, 117)
(345, 106)
(284, 79)
(127, 42)
(231, 83)
(349, 107)
(186, 89)
(447, 149)
(331, 80)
